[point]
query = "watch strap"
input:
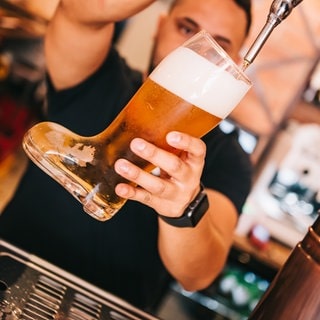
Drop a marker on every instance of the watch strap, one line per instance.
(193, 213)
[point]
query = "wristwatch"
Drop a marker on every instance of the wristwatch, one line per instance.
(193, 214)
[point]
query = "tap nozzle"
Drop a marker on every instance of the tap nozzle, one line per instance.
(279, 10)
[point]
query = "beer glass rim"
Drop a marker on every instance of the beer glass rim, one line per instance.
(229, 61)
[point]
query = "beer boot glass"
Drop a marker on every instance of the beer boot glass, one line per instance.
(191, 91)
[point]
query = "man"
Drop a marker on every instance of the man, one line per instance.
(132, 254)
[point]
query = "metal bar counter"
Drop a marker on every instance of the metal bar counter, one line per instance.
(31, 288)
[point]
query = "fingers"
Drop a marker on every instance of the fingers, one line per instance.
(140, 177)
(193, 146)
(155, 192)
(168, 193)
(194, 153)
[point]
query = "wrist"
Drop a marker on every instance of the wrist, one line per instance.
(193, 213)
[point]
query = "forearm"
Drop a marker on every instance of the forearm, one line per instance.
(102, 11)
(79, 37)
(195, 256)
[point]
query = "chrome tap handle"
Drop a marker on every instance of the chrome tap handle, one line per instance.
(279, 10)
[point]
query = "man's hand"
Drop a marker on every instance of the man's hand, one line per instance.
(171, 192)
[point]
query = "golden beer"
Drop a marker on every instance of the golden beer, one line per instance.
(186, 93)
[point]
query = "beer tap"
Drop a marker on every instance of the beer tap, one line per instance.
(279, 10)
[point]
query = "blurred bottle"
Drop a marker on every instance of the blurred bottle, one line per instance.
(295, 291)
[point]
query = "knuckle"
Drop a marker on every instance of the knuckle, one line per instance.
(147, 197)
(175, 164)
(133, 173)
(159, 188)
(149, 152)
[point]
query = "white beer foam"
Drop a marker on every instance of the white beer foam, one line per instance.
(200, 82)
